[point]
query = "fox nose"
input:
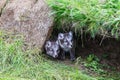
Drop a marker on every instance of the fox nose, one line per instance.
(55, 56)
(70, 46)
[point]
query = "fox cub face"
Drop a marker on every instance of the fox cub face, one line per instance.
(65, 40)
(52, 48)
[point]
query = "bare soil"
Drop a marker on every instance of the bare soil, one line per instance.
(108, 53)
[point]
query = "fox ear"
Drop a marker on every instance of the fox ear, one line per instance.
(48, 44)
(60, 36)
(71, 33)
(57, 42)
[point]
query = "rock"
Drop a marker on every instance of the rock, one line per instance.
(2, 5)
(27, 17)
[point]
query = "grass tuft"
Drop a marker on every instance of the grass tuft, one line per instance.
(18, 64)
(88, 16)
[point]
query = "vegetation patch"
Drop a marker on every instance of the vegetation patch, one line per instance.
(88, 16)
(17, 64)
(80, 16)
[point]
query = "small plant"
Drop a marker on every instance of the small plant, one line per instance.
(92, 62)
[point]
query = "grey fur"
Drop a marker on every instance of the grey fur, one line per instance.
(63, 43)
(66, 43)
(52, 48)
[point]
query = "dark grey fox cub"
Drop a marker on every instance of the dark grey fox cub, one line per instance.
(66, 43)
(63, 44)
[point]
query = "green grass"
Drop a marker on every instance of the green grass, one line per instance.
(87, 16)
(49, 71)
(19, 64)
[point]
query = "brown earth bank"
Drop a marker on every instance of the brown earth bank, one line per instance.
(107, 50)
(108, 53)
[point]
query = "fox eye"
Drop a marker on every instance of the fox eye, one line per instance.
(60, 36)
(48, 44)
(58, 51)
(68, 37)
